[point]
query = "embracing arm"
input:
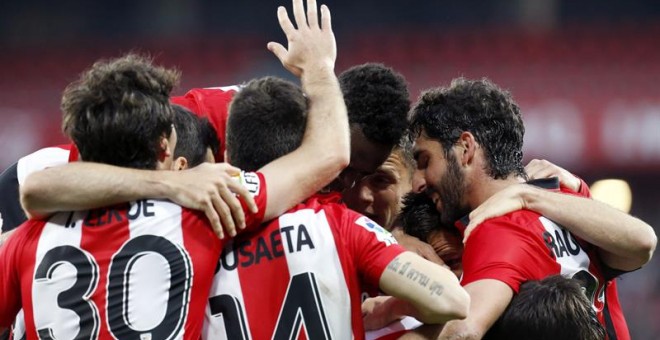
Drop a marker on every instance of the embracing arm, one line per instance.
(625, 242)
(84, 185)
(325, 148)
(432, 290)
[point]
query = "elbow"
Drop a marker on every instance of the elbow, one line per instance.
(647, 246)
(30, 192)
(454, 306)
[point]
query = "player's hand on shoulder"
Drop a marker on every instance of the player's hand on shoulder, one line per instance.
(212, 189)
(541, 168)
(311, 45)
(415, 245)
(501, 203)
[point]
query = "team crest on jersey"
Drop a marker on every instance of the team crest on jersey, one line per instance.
(250, 181)
(381, 234)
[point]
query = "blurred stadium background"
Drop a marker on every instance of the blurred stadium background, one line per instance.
(585, 73)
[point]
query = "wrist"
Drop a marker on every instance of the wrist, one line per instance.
(159, 184)
(531, 197)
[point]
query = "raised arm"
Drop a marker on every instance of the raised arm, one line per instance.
(325, 148)
(433, 291)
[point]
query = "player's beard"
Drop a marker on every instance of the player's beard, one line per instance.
(452, 188)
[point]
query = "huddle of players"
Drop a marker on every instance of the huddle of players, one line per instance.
(330, 254)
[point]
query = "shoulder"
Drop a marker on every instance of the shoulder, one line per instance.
(42, 159)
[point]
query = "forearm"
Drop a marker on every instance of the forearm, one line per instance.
(324, 151)
(434, 291)
(327, 135)
(81, 186)
(626, 242)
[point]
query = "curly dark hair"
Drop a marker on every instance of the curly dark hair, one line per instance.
(209, 137)
(267, 120)
(118, 110)
(377, 101)
(482, 108)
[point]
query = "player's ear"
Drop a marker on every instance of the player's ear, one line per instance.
(467, 148)
(165, 149)
(180, 163)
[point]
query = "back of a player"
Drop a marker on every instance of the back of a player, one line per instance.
(138, 271)
(300, 277)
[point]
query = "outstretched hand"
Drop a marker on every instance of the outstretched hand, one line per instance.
(310, 46)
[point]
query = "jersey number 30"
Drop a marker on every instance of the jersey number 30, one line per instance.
(77, 298)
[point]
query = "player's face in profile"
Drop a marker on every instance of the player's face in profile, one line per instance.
(449, 247)
(378, 196)
(441, 178)
(366, 157)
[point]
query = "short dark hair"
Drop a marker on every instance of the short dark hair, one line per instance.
(482, 108)
(266, 121)
(118, 110)
(193, 137)
(377, 101)
(209, 136)
(549, 309)
(419, 217)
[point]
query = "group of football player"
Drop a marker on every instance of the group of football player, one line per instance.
(333, 209)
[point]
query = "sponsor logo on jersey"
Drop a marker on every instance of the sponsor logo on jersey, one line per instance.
(381, 234)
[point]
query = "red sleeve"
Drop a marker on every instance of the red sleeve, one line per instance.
(255, 183)
(10, 286)
(505, 251)
(582, 191)
(211, 103)
(371, 246)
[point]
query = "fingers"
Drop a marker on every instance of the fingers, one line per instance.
(427, 252)
(241, 191)
(237, 214)
(278, 50)
(326, 20)
(312, 14)
(225, 214)
(214, 219)
(285, 22)
(299, 14)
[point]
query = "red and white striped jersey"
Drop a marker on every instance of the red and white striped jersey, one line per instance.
(299, 277)
(141, 270)
(44, 158)
(524, 245)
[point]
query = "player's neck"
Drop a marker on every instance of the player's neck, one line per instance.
(486, 186)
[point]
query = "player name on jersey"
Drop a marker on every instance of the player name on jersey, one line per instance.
(247, 252)
(104, 216)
